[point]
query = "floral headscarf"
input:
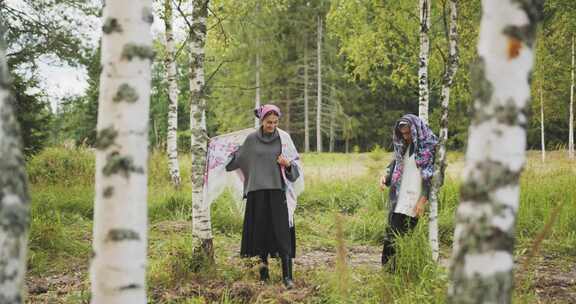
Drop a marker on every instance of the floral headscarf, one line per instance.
(424, 142)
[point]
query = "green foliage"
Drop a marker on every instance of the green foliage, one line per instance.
(62, 166)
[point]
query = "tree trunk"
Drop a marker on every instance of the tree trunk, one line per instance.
(438, 180)
(288, 108)
(482, 261)
(306, 106)
(424, 53)
(15, 201)
(571, 124)
(257, 97)
(118, 270)
(201, 222)
(171, 76)
(319, 91)
(332, 121)
(543, 141)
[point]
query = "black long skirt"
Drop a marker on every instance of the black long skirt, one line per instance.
(266, 228)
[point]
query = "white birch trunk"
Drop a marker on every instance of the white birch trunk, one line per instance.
(171, 77)
(201, 222)
(288, 111)
(15, 201)
(319, 90)
(118, 270)
(306, 105)
(571, 124)
(438, 179)
(257, 97)
(332, 121)
(543, 140)
(483, 261)
(424, 53)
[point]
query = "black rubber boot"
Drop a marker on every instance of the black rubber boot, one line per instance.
(264, 272)
(287, 272)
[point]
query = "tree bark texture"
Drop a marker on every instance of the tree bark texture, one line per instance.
(482, 261)
(201, 222)
(319, 90)
(172, 79)
(118, 269)
(15, 200)
(448, 79)
(423, 91)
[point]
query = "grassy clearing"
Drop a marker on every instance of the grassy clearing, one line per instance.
(337, 184)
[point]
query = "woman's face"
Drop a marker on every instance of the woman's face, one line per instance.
(270, 123)
(406, 134)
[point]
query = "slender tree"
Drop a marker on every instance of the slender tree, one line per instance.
(448, 79)
(483, 261)
(571, 123)
(14, 201)
(542, 139)
(306, 105)
(201, 222)
(319, 89)
(288, 111)
(424, 54)
(118, 270)
(258, 84)
(171, 77)
(333, 109)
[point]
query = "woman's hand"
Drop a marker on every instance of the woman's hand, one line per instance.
(283, 161)
(383, 182)
(420, 206)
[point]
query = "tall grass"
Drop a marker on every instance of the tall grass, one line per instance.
(62, 210)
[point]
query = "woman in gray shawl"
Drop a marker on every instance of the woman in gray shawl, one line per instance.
(266, 228)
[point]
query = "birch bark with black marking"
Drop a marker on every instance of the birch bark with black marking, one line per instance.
(571, 124)
(173, 92)
(201, 222)
(306, 106)
(482, 262)
(257, 101)
(118, 269)
(423, 65)
(14, 198)
(542, 133)
(440, 167)
(319, 88)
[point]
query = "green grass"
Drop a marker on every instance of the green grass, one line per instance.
(62, 210)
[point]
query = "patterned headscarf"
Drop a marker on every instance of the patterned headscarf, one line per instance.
(424, 142)
(263, 110)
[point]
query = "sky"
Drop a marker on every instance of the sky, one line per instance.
(60, 80)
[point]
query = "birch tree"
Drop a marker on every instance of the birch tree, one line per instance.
(257, 101)
(201, 222)
(306, 105)
(571, 123)
(448, 79)
(319, 90)
(171, 77)
(482, 261)
(542, 139)
(333, 109)
(118, 270)
(14, 201)
(423, 91)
